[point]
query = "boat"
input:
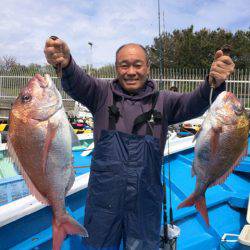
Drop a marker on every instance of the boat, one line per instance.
(26, 224)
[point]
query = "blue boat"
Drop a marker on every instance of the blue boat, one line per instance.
(26, 224)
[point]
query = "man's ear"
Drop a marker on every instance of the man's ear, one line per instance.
(148, 69)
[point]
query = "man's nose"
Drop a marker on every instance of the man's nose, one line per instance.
(131, 71)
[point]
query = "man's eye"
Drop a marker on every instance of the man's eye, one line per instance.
(124, 66)
(138, 66)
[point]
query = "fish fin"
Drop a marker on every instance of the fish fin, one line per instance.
(66, 225)
(202, 208)
(188, 202)
(214, 141)
(200, 205)
(33, 190)
(10, 159)
(74, 138)
(51, 132)
(245, 153)
(222, 179)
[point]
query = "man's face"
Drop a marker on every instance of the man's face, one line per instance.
(132, 67)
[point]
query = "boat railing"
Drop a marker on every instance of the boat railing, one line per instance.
(28, 204)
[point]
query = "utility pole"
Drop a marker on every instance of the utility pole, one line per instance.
(91, 55)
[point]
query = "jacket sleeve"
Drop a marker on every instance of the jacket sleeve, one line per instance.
(179, 107)
(89, 91)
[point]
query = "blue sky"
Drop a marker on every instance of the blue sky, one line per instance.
(25, 25)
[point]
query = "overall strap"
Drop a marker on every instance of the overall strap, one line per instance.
(114, 113)
(151, 117)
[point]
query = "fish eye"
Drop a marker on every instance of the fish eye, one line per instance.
(238, 110)
(26, 98)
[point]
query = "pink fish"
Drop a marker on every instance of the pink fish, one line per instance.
(220, 144)
(39, 142)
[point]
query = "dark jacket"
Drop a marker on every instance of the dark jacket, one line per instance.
(97, 96)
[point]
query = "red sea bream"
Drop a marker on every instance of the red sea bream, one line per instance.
(39, 142)
(220, 144)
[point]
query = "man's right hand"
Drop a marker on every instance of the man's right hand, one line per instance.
(57, 52)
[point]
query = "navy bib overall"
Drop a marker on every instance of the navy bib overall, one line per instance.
(125, 191)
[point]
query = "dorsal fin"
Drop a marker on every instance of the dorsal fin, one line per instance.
(230, 170)
(28, 181)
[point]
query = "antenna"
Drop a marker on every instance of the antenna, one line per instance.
(160, 45)
(163, 22)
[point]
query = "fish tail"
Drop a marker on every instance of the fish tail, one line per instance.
(190, 201)
(202, 208)
(199, 203)
(66, 225)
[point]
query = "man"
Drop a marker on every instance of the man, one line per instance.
(130, 128)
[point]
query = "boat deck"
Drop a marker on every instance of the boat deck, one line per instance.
(226, 204)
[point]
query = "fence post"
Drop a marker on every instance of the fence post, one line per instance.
(1, 81)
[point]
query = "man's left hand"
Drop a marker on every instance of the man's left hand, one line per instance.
(221, 68)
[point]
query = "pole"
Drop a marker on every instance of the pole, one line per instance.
(90, 66)
(165, 222)
(160, 45)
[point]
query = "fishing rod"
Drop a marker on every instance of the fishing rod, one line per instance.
(160, 43)
(165, 240)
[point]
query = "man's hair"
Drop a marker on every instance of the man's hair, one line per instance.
(124, 45)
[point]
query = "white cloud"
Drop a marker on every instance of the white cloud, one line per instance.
(26, 24)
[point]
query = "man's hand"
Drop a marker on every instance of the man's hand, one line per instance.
(221, 68)
(57, 52)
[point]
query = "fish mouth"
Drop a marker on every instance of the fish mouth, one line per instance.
(53, 88)
(48, 81)
(238, 113)
(238, 110)
(55, 106)
(237, 106)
